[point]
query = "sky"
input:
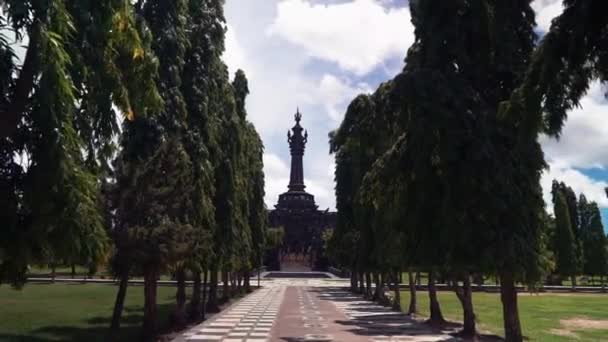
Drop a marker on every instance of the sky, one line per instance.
(319, 54)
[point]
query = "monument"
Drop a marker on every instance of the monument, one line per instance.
(299, 216)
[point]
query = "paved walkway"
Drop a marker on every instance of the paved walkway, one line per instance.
(294, 310)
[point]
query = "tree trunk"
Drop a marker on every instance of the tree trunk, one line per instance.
(397, 301)
(465, 296)
(53, 272)
(400, 277)
(573, 280)
(212, 304)
(508, 296)
(368, 285)
(195, 302)
(247, 281)
(361, 283)
(179, 315)
(232, 282)
(150, 310)
(118, 307)
(353, 281)
(73, 271)
(418, 279)
(377, 296)
(225, 287)
(236, 286)
(413, 309)
(436, 315)
(204, 306)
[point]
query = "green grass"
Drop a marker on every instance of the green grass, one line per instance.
(60, 312)
(539, 314)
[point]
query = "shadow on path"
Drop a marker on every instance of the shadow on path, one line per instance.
(366, 318)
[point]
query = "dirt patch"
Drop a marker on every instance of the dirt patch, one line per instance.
(584, 323)
(563, 332)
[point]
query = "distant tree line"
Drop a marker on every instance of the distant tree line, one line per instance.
(124, 142)
(438, 171)
(576, 236)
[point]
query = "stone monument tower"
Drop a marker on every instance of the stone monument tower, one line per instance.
(296, 211)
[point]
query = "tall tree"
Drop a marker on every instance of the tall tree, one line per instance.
(152, 210)
(471, 172)
(82, 60)
(199, 89)
(565, 241)
(253, 168)
(571, 55)
(154, 170)
(593, 239)
(575, 220)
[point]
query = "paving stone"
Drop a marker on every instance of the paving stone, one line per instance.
(310, 310)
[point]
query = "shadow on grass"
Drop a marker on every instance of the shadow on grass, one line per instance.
(96, 329)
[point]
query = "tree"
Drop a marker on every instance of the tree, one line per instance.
(201, 138)
(570, 56)
(469, 170)
(357, 243)
(253, 168)
(152, 209)
(565, 242)
(154, 170)
(575, 222)
(593, 239)
(58, 122)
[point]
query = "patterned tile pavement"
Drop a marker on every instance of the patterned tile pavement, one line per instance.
(298, 310)
(249, 320)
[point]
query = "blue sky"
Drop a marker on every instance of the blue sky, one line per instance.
(319, 54)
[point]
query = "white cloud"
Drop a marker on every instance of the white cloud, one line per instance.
(335, 93)
(580, 183)
(584, 142)
(234, 56)
(358, 35)
(583, 145)
(277, 178)
(546, 10)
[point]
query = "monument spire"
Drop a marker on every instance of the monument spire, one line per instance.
(297, 144)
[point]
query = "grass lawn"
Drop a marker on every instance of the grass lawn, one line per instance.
(541, 315)
(43, 313)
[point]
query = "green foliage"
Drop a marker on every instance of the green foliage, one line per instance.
(83, 59)
(461, 182)
(187, 185)
(366, 132)
(570, 56)
(153, 206)
(274, 238)
(576, 217)
(593, 238)
(565, 242)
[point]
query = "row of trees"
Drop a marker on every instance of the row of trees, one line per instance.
(439, 170)
(178, 187)
(576, 236)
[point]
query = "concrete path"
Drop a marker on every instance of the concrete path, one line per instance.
(294, 310)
